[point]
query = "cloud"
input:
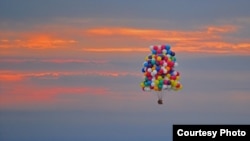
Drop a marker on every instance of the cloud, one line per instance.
(211, 39)
(207, 40)
(210, 32)
(27, 94)
(8, 76)
(118, 49)
(55, 61)
(33, 40)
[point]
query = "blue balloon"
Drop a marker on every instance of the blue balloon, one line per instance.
(158, 68)
(157, 63)
(149, 82)
(146, 64)
(154, 51)
(149, 62)
(171, 71)
(167, 47)
(143, 70)
(173, 53)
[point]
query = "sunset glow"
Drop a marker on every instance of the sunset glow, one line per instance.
(202, 40)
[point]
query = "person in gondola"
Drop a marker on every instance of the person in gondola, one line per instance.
(160, 101)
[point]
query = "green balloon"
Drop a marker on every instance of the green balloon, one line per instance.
(161, 81)
(153, 61)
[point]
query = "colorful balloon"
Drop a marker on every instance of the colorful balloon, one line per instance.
(159, 70)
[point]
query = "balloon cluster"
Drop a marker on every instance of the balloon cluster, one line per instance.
(158, 69)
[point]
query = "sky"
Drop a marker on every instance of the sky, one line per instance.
(72, 69)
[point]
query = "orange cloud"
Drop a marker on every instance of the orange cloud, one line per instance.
(74, 61)
(28, 94)
(118, 49)
(34, 41)
(12, 76)
(56, 61)
(165, 35)
(211, 39)
(221, 29)
(208, 40)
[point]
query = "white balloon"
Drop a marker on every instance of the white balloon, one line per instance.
(149, 70)
(166, 78)
(147, 89)
(153, 79)
(164, 87)
(154, 72)
(165, 71)
(175, 73)
(164, 51)
(152, 84)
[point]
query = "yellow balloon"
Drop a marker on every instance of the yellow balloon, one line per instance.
(153, 68)
(156, 82)
(168, 75)
(159, 58)
(156, 88)
(159, 78)
(142, 84)
(172, 82)
(177, 77)
(175, 83)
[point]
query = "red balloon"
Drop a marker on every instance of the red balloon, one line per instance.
(166, 59)
(161, 62)
(162, 47)
(156, 76)
(170, 64)
(165, 82)
(161, 71)
(178, 74)
(155, 47)
(173, 77)
(148, 74)
(178, 85)
(150, 77)
(159, 51)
